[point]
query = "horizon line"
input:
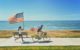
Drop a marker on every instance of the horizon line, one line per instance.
(46, 20)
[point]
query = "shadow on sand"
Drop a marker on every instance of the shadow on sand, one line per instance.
(36, 42)
(44, 41)
(28, 42)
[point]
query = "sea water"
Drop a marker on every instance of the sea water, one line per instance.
(47, 25)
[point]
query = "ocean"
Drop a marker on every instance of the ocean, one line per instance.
(47, 25)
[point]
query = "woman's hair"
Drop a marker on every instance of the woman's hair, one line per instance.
(19, 28)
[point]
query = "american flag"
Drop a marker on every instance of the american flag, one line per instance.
(16, 18)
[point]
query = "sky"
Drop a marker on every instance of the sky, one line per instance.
(41, 9)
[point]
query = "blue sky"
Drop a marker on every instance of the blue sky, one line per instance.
(41, 9)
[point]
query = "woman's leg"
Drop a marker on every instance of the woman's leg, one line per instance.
(21, 36)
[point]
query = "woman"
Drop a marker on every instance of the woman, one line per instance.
(20, 33)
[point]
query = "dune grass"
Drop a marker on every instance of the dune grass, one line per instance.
(40, 48)
(57, 33)
(5, 34)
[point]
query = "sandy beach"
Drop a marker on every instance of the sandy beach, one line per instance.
(57, 38)
(30, 42)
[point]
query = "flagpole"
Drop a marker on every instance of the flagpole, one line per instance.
(23, 21)
(23, 24)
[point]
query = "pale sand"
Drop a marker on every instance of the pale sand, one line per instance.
(29, 42)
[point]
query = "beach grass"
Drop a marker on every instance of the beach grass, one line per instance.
(51, 33)
(40, 48)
